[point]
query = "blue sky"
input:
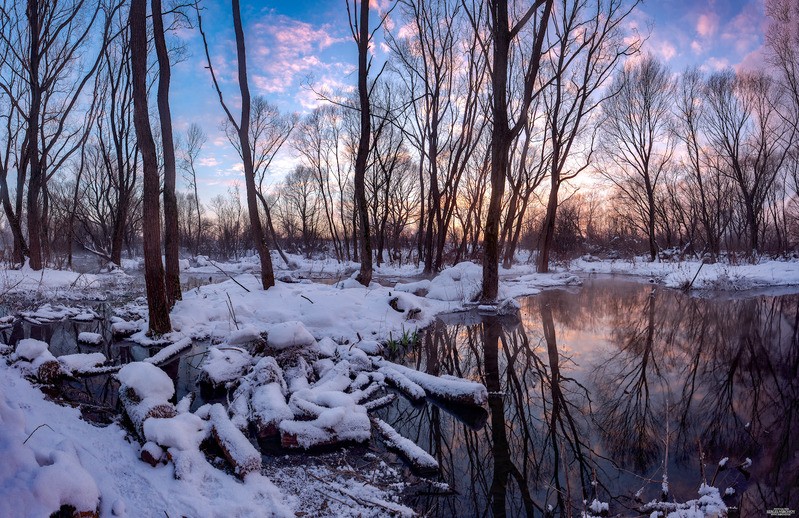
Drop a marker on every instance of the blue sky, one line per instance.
(296, 43)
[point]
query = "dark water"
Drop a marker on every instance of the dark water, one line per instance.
(97, 396)
(594, 390)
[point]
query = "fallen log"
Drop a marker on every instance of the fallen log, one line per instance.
(419, 459)
(238, 450)
(449, 388)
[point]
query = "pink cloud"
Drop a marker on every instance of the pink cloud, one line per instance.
(666, 50)
(707, 24)
(286, 51)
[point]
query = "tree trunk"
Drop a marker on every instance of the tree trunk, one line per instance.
(31, 156)
(256, 230)
(171, 239)
(548, 231)
(20, 248)
(365, 274)
(500, 143)
(151, 228)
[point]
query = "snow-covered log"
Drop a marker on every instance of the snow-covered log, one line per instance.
(145, 391)
(38, 361)
(80, 362)
(402, 382)
(225, 366)
(170, 352)
(86, 337)
(238, 450)
(448, 388)
(416, 456)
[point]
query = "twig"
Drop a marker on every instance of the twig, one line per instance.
(35, 430)
(690, 285)
(231, 310)
(306, 298)
(228, 275)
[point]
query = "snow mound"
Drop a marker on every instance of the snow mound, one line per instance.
(225, 365)
(30, 349)
(459, 283)
(288, 334)
(147, 380)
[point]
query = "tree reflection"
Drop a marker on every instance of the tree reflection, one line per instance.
(600, 384)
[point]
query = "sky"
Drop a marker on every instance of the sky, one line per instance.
(298, 47)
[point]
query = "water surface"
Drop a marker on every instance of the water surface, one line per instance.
(598, 391)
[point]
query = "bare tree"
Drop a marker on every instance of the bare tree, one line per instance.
(359, 26)
(320, 145)
(751, 137)
(269, 131)
(171, 238)
(153, 268)
(242, 128)
(443, 71)
(504, 33)
(193, 145)
(45, 49)
(590, 43)
(637, 137)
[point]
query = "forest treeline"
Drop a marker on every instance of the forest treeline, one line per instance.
(480, 129)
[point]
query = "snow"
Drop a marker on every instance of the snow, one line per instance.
(709, 504)
(53, 313)
(184, 431)
(225, 364)
(461, 283)
(416, 288)
(81, 362)
(288, 334)
(102, 459)
(49, 284)
(30, 348)
(147, 380)
(90, 338)
(717, 276)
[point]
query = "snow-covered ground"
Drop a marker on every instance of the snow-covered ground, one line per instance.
(48, 284)
(716, 276)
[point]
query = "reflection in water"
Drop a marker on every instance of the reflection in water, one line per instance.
(600, 392)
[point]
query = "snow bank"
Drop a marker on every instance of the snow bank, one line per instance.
(461, 283)
(70, 450)
(717, 276)
(37, 479)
